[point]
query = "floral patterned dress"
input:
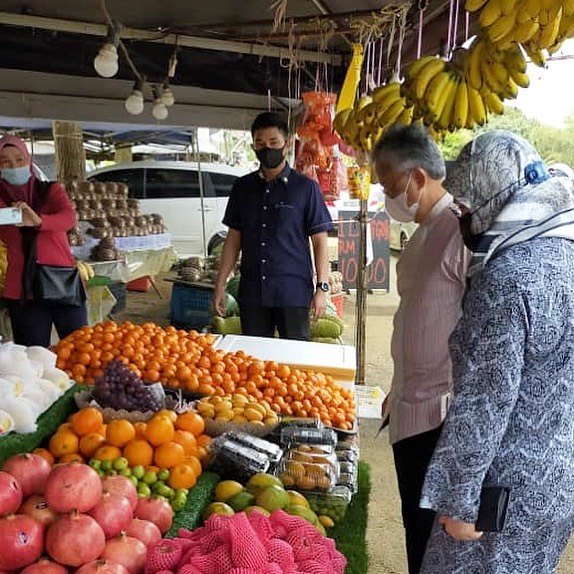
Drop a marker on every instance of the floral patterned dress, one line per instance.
(512, 419)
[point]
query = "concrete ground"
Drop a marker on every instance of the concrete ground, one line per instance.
(385, 531)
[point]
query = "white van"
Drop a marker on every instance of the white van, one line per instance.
(172, 190)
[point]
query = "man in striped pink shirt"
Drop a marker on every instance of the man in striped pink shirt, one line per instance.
(431, 282)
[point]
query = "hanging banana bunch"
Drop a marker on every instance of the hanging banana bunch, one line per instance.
(541, 26)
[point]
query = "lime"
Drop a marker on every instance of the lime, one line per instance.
(177, 505)
(163, 474)
(144, 489)
(138, 471)
(134, 480)
(106, 465)
(126, 472)
(150, 477)
(181, 492)
(157, 486)
(121, 463)
(95, 463)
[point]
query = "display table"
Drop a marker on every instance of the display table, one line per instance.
(338, 361)
(127, 244)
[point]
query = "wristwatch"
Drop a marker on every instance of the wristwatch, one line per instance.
(323, 286)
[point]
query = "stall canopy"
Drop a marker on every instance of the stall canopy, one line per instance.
(231, 60)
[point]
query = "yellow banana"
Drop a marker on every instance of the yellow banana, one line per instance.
(474, 5)
(508, 6)
(532, 7)
(445, 119)
(566, 26)
(414, 67)
(91, 272)
(493, 102)
(510, 89)
(502, 27)
(568, 7)
(490, 13)
(406, 116)
(83, 271)
(473, 73)
(460, 105)
(340, 119)
(425, 75)
(549, 33)
(536, 55)
(523, 16)
(435, 91)
(489, 78)
(476, 106)
(391, 115)
(383, 93)
(543, 17)
(520, 78)
(515, 60)
(526, 31)
(385, 104)
(555, 48)
(549, 4)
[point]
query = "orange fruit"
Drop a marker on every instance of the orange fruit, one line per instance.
(66, 427)
(190, 421)
(185, 439)
(63, 442)
(159, 430)
(171, 415)
(194, 462)
(44, 452)
(182, 476)
(72, 457)
(168, 455)
(120, 432)
(203, 440)
(152, 468)
(102, 430)
(140, 428)
(90, 443)
(138, 452)
(107, 452)
(86, 421)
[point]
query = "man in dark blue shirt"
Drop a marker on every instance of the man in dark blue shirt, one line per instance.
(271, 215)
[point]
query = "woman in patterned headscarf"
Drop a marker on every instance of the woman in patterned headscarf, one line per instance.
(511, 423)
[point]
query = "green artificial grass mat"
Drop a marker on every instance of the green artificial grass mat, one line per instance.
(350, 534)
(48, 422)
(198, 498)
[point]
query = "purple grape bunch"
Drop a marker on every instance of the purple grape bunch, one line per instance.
(120, 388)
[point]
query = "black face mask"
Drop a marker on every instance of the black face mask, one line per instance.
(270, 157)
(470, 240)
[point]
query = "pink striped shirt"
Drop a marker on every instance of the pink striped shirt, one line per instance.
(431, 282)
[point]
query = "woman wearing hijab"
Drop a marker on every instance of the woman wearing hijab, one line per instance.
(511, 423)
(40, 242)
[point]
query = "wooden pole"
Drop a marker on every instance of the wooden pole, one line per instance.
(361, 325)
(70, 152)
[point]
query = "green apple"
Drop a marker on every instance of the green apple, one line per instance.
(121, 463)
(150, 477)
(144, 489)
(95, 463)
(106, 465)
(138, 471)
(163, 474)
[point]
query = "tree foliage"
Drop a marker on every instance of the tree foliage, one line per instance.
(554, 144)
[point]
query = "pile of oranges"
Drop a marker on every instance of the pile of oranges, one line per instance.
(167, 440)
(187, 360)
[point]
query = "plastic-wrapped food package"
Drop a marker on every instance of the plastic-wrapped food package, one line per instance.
(308, 476)
(333, 504)
(313, 436)
(230, 459)
(359, 182)
(273, 452)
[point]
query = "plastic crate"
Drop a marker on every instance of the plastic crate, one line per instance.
(191, 306)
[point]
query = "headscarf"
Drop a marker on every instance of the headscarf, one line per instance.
(511, 194)
(18, 192)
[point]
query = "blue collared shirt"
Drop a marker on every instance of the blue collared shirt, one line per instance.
(276, 219)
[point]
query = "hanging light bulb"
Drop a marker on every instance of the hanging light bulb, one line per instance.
(106, 62)
(167, 95)
(159, 109)
(135, 101)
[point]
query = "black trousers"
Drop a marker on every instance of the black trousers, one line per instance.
(291, 322)
(412, 457)
(32, 322)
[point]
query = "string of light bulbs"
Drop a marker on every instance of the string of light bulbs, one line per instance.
(106, 64)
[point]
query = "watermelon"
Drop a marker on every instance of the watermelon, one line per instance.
(233, 286)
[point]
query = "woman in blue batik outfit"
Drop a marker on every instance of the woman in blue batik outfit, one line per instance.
(512, 419)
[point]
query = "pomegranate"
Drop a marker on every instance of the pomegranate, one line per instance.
(121, 485)
(30, 470)
(113, 513)
(75, 539)
(102, 566)
(156, 510)
(127, 551)
(21, 541)
(73, 486)
(37, 507)
(10, 494)
(44, 566)
(144, 530)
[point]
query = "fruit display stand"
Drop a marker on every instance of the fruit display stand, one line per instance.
(338, 361)
(48, 422)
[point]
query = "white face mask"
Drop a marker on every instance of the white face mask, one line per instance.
(398, 207)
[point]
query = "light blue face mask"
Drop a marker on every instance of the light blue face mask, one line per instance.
(16, 175)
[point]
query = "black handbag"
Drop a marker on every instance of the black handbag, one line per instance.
(58, 285)
(493, 508)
